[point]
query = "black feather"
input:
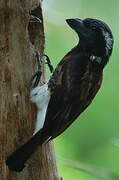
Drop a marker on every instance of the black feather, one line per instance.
(16, 161)
(73, 85)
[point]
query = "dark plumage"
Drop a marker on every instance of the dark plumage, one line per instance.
(73, 84)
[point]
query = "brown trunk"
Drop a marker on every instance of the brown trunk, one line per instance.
(18, 40)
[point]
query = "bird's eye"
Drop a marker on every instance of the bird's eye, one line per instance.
(90, 25)
(87, 23)
(93, 28)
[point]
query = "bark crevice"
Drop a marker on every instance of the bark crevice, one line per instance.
(17, 114)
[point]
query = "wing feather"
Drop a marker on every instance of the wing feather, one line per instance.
(78, 85)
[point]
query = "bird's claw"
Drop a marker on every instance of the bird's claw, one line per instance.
(35, 19)
(37, 75)
(48, 62)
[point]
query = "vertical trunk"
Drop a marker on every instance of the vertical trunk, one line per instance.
(18, 40)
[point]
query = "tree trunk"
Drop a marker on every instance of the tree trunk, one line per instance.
(18, 40)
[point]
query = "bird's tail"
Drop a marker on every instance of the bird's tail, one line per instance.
(16, 161)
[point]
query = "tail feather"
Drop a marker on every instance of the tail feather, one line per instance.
(16, 161)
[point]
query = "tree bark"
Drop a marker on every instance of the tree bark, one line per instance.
(18, 40)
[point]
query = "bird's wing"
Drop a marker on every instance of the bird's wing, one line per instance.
(72, 89)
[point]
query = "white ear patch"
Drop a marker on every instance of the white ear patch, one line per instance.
(96, 59)
(109, 41)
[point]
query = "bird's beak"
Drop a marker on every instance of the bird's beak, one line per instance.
(77, 25)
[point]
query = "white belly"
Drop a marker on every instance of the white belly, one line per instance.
(41, 97)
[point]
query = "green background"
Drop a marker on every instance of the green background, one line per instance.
(93, 140)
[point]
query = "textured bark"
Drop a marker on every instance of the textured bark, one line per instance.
(18, 40)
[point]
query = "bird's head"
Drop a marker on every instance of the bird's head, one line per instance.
(95, 37)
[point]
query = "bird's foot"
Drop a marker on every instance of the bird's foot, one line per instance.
(48, 62)
(37, 75)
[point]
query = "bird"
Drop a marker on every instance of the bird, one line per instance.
(70, 89)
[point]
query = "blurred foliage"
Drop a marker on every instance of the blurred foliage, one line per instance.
(90, 139)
